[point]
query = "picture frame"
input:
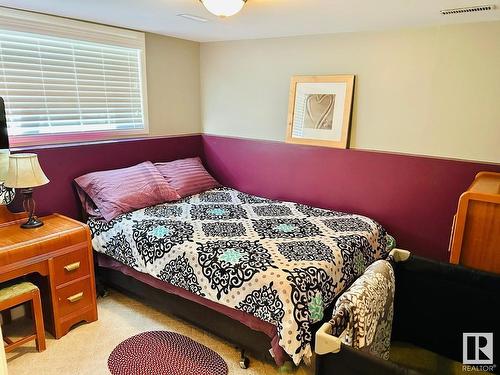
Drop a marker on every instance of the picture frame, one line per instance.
(319, 110)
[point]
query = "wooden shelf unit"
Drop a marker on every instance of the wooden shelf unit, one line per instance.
(475, 237)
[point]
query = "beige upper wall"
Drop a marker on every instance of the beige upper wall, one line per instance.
(173, 78)
(432, 91)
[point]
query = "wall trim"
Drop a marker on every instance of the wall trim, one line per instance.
(354, 149)
(117, 140)
(135, 139)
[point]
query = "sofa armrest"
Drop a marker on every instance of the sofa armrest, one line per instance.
(325, 341)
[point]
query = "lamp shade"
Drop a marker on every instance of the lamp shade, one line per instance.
(223, 8)
(25, 172)
(4, 163)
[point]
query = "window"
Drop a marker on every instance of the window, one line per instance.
(65, 80)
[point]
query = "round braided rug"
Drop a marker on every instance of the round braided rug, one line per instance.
(164, 353)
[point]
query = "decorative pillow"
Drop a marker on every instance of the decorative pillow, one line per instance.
(187, 176)
(123, 190)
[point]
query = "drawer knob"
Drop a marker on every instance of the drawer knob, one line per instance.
(72, 267)
(75, 297)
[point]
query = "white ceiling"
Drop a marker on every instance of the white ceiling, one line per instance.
(260, 18)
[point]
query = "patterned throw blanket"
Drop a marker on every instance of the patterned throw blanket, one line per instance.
(366, 310)
(282, 262)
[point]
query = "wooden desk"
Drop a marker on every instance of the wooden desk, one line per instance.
(61, 251)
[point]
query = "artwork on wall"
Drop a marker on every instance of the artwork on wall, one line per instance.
(319, 110)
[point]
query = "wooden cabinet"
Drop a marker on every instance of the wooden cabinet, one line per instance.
(475, 238)
(61, 251)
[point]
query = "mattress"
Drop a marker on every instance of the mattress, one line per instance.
(282, 262)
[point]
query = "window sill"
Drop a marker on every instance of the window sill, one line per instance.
(34, 148)
(49, 140)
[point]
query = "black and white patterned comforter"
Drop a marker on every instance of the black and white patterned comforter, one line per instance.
(282, 262)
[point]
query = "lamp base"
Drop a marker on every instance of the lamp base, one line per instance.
(33, 222)
(29, 207)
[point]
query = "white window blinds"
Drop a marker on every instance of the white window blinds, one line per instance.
(54, 85)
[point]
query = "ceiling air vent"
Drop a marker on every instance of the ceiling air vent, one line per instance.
(192, 18)
(478, 8)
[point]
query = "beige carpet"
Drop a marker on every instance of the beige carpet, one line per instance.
(85, 349)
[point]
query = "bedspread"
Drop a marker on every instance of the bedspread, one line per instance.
(282, 262)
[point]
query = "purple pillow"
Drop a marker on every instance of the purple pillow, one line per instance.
(118, 191)
(187, 176)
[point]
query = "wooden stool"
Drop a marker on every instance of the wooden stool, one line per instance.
(14, 295)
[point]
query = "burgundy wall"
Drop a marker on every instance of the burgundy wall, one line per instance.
(62, 164)
(414, 198)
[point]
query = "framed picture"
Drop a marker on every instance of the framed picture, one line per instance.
(319, 110)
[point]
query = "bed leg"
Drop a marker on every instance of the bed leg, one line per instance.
(244, 360)
(100, 288)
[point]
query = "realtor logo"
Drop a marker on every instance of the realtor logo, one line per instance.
(477, 348)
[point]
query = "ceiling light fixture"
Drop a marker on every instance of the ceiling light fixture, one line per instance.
(223, 8)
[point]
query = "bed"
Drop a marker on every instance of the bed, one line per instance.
(250, 258)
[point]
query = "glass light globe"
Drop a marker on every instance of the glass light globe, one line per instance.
(223, 8)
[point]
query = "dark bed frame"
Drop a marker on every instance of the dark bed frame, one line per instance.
(193, 313)
(242, 337)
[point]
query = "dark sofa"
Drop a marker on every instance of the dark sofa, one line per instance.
(435, 303)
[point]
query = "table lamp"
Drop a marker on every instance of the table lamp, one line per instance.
(6, 194)
(4, 164)
(25, 173)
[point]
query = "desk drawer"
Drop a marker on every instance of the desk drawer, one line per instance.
(71, 266)
(74, 297)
